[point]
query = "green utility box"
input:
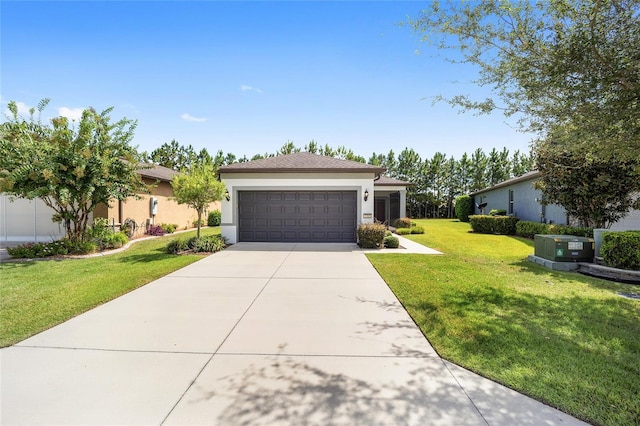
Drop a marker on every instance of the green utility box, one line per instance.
(564, 248)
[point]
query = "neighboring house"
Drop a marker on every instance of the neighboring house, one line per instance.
(304, 197)
(519, 198)
(155, 208)
(30, 220)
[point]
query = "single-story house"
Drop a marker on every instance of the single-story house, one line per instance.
(519, 198)
(304, 197)
(30, 220)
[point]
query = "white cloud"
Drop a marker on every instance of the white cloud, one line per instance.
(247, 88)
(189, 117)
(23, 109)
(74, 114)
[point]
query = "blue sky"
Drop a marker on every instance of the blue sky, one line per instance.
(246, 77)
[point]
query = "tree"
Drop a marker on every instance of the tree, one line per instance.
(175, 156)
(198, 187)
(72, 168)
(595, 190)
(550, 62)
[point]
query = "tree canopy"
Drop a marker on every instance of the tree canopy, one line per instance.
(551, 63)
(71, 167)
(198, 187)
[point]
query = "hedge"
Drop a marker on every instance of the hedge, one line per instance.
(485, 224)
(621, 250)
(528, 229)
(464, 208)
(371, 235)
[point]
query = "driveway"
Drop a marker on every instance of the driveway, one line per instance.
(259, 334)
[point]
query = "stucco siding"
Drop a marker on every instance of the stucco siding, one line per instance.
(168, 210)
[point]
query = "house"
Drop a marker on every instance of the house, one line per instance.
(30, 220)
(305, 197)
(519, 198)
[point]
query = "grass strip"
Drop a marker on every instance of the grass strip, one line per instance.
(37, 295)
(563, 338)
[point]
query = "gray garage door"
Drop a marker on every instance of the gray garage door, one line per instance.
(300, 216)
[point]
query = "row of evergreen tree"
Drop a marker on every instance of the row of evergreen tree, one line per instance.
(436, 181)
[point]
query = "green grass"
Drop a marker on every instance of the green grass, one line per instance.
(37, 295)
(563, 338)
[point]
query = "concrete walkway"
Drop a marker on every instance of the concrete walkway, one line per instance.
(259, 334)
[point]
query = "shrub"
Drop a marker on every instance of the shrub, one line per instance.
(497, 212)
(195, 223)
(403, 222)
(177, 246)
(528, 229)
(403, 231)
(208, 244)
(391, 242)
(388, 234)
(371, 235)
(464, 208)
(214, 218)
(621, 250)
(571, 230)
(53, 248)
(417, 230)
(155, 230)
(502, 225)
(169, 228)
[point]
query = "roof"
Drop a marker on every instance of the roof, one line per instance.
(387, 181)
(154, 171)
(300, 162)
(525, 177)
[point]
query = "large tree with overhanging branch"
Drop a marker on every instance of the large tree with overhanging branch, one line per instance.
(72, 167)
(569, 70)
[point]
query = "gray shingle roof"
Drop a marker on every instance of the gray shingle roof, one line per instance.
(527, 176)
(300, 162)
(154, 171)
(388, 181)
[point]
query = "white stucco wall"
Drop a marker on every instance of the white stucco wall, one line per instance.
(27, 221)
(359, 182)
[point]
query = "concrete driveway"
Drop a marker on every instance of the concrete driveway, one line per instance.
(259, 334)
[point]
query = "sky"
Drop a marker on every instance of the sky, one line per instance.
(247, 77)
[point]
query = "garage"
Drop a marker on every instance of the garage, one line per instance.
(297, 216)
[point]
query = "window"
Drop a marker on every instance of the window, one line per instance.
(511, 201)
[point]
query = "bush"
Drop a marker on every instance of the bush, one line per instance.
(497, 212)
(403, 231)
(155, 230)
(417, 230)
(391, 242)
(388, 234)
(114, 240)
(195, 223)
(464, 208)
(169, 228)
(208, 244)
(214, 218)
(371, 235)
(528, 229)
(621, 250)
(501, 225)
(571, 230)
(403, 222)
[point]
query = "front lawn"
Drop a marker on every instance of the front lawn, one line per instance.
(563, 338)
(37, 295)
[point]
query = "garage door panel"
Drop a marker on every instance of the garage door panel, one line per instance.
(304, 216)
